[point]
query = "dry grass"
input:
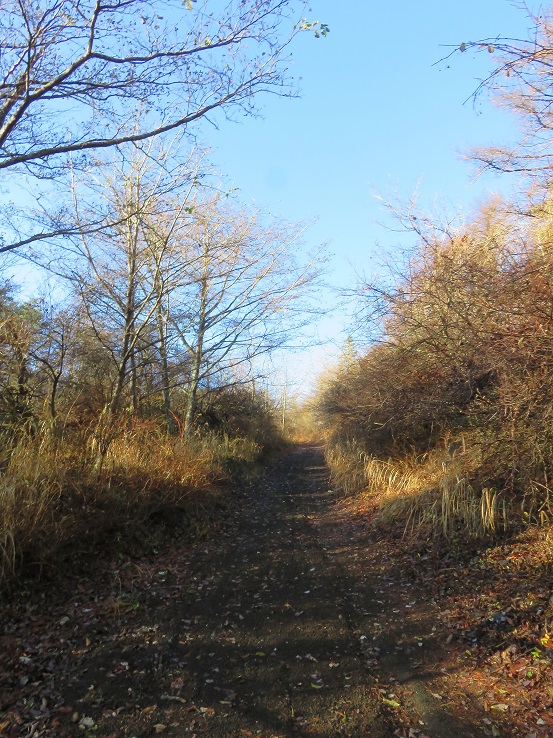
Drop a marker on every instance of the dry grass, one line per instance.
(428, 495)
(52, 494)
(30, 491)
(347, 468)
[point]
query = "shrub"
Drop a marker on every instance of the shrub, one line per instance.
(465, 359)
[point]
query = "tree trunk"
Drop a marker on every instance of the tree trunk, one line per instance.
(161, 317)
(193, 391)
(197, 363)
(134, 381)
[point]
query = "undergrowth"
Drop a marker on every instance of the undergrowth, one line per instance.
(444, 420)
(53, 496)
(428, 495)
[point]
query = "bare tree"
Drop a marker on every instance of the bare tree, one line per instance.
(521, 81)
(245, 295)
(165, 231)
(73, 74)
(53, 343)
(180, 290)
(123, 273)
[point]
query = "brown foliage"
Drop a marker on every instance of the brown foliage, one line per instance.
(465, 361)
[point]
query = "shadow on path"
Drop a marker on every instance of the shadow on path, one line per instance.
(259, 630)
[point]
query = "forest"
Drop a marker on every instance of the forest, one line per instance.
(134, 377)
(447, 417)
(160, 498)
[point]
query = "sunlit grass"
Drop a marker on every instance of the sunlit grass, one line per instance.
(52, 493)
(427, 495)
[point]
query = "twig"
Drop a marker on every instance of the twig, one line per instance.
(501, 666)
(173, 698)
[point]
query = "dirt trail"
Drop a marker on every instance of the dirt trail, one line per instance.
(265, 629)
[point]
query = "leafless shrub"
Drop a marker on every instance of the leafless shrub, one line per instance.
(464, 362)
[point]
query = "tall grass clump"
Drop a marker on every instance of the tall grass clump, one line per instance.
(426, 496)
(53, 497)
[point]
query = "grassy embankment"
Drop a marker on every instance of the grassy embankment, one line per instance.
(55, 500)
(445, 425)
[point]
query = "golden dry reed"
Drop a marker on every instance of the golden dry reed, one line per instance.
(52, 494)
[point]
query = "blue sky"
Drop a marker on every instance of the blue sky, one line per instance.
(376, 114)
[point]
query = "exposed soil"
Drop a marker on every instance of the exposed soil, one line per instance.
(289, 620)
